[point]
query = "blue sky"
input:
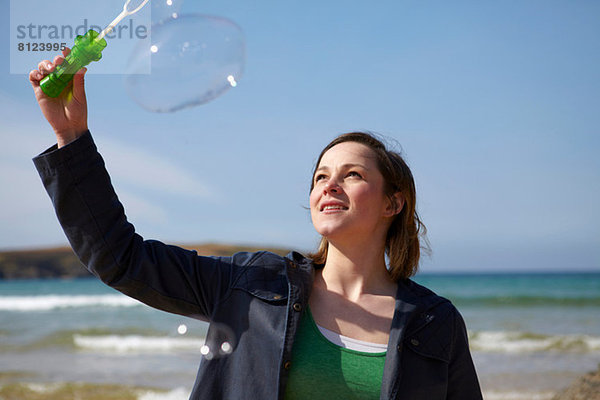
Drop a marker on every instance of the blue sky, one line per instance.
(494, 105)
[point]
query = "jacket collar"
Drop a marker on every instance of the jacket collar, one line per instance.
(300, 274)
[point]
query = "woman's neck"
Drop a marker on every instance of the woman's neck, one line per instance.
(355, 271)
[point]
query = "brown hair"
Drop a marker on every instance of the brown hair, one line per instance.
(402, 244)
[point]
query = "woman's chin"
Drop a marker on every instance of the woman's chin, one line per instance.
(328, 230)
(334, 234)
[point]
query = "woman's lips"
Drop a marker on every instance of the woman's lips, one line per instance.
(333, 207)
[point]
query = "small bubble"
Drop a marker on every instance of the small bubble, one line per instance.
(182, 329)
(226, 348)
(220, 341)
(204, 350)
(164, 10)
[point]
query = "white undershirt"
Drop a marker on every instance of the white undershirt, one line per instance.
(350, 343)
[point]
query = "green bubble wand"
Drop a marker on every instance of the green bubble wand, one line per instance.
(87, 48)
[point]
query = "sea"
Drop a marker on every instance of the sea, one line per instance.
(531, 335)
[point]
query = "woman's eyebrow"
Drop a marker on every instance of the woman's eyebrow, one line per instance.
(345, 166)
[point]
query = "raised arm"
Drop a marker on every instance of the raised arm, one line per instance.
(73, 172)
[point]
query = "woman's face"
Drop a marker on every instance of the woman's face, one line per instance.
(348, 200)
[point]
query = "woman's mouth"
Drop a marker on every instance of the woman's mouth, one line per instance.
(333, 207)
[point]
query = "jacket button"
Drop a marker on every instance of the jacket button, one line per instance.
(399, 347)
(297, 307)
(277, 297)
(287, 364)
(414, 342)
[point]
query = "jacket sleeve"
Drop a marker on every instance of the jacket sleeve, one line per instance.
(165, 277)
(462, 377)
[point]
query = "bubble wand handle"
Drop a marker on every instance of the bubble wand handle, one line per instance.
(86, 49)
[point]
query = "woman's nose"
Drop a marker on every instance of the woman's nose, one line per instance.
(332, 187)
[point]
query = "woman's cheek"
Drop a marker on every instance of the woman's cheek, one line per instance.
(313, 201)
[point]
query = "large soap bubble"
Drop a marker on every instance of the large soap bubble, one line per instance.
(191, 60)
(165, 9)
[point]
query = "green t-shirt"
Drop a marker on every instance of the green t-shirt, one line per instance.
(323, 370)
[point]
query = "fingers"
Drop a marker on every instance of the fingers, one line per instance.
(45, 67)
(78, 85)
(81, 73)
(35, 77)
(58, 60)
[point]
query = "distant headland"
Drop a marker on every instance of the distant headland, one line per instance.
(61, 262)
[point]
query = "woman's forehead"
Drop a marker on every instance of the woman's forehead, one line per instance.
(348, 153)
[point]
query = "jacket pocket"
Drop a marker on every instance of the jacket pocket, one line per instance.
(266, 282)
(429, 349)
(433, 339)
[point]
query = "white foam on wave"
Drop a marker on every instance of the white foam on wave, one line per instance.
(42, 388)
(175, 394)
(136, 343)
(521, 342)
(53, 302)
(514, 395)
(180, 393)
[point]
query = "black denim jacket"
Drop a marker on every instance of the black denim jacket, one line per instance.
(259, 296)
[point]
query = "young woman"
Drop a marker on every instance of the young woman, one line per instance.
(340, 324)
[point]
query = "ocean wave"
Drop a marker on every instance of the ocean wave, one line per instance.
(81, 390)
(54, 302)
(517, 395)
(524, 342)
(525, 301)
(136, 343)
(175, 394)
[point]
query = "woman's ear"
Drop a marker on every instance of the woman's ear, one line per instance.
(395, 205)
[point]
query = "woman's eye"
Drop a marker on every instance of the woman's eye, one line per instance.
(319, 177)
(354, 173)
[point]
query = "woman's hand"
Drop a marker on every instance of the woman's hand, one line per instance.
(67, 113)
